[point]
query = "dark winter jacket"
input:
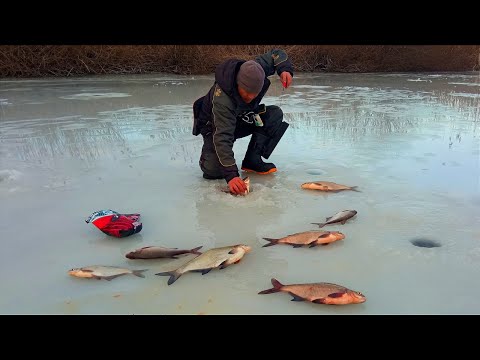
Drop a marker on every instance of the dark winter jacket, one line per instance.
(219, 110)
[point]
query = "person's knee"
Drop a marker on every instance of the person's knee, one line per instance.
(209, 165)
(275, 112)
(273, 119)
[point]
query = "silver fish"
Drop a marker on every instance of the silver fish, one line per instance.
(103, 272)
(341, 217)
(155, 252)
(210, 259)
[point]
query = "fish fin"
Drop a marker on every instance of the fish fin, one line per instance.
(145, 247)
(206, 271)
(319, 301)
(320, 225)
(277, 286)
(109, 278)
(233, 251)
(195, 250)
(223, 265)
(272, 242)
(297, 245)
(296, 298)
(343, 222)
(324, 236)
(173, 257)
(313, 244)
(139, 272)
(173, 276)
(336, 295)
(354, 188)
(324, 244)
(236, 262)
(328, 218)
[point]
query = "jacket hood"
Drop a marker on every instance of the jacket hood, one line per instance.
(226, 76)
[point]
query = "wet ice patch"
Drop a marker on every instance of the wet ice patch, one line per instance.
(418, 79)
(90, 96)
(475, 200)
(310, 86)
(259, 196)
(467, 84)
(58, 183)
(466, 95)
(9, 175)
(167, 83)
(17, 89)
(315, 172)
(426, 243)
(356, 88)
(474, 255)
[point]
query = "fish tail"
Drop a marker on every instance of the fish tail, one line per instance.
(354, 188)
(277, 286)
(320, 225)
(272, 242)
(139, 273)
(195, 250)
(174, 275)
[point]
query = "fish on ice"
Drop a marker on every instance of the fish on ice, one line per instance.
(318, 293)
(213, 258)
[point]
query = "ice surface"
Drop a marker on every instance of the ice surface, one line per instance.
(69, 147)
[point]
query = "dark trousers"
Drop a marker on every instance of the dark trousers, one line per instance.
(209, 162)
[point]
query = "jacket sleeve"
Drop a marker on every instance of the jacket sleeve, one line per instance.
(275, 60)
(224, 123)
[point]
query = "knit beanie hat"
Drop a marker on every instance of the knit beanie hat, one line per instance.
(251, 76)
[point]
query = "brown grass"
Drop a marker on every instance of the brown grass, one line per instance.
(60, 60)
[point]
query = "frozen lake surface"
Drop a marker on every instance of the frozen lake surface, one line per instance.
(410, 142)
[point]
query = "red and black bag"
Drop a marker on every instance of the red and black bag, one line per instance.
(114, 224)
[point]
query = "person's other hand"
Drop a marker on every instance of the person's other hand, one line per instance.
(286, 79)
(237, 186)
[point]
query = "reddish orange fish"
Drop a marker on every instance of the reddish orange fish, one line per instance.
(327, 186)
(307, 238)
(319, 293)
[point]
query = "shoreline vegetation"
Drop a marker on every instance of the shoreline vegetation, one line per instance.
(79, 60)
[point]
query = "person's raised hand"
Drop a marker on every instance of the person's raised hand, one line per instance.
(286, 79)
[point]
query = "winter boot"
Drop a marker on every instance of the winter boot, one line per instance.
(253, 160)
